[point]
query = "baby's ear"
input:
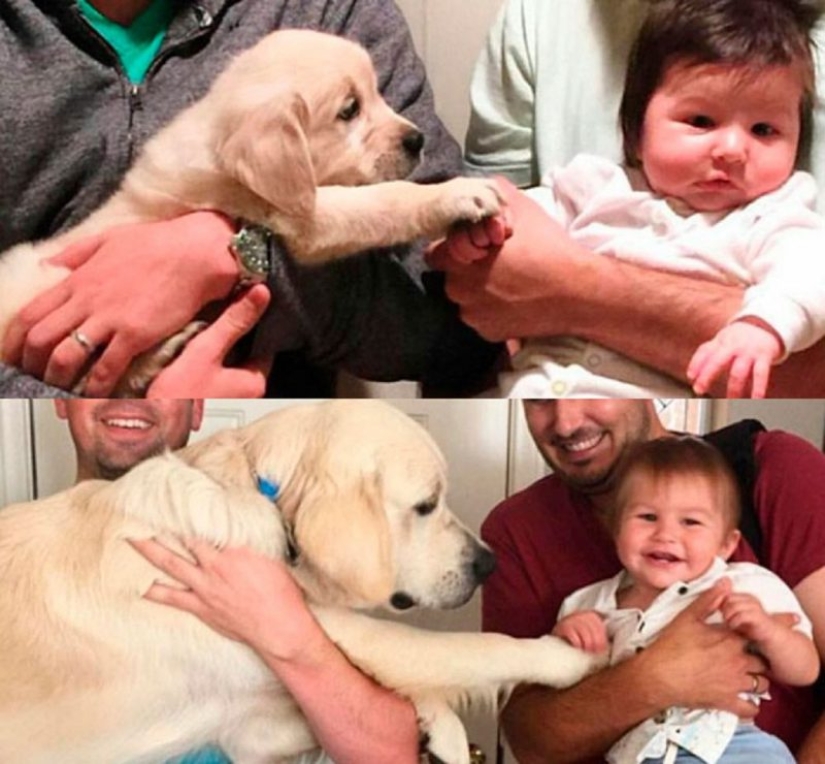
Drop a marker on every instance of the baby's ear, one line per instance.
(730, 543)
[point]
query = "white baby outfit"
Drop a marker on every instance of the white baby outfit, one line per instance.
(703, 732)
(774, 247)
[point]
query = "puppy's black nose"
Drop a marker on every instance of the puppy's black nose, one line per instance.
(413, 142)
(483, 564)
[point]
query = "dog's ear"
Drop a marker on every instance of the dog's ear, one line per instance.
(342, 533)
(267, 151)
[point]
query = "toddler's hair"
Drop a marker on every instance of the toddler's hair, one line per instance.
(679, 456)
(751, 33)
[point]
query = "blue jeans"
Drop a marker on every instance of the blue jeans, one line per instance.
(750, 745)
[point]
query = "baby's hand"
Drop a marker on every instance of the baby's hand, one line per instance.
(745, 350)
(585, 630)
(468, 242)
(744, 614)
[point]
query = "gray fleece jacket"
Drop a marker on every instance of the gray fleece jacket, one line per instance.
(72, 124)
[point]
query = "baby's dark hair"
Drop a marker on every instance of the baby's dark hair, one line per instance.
(679, 456)
(751, 33)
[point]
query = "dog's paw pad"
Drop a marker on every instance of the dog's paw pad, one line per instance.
(474, 199)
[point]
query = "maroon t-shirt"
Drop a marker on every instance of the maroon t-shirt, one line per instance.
(548, 543)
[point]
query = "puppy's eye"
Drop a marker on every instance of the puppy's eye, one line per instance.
(350, 110)
(425, 507)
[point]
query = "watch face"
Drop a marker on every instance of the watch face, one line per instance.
(251, 246)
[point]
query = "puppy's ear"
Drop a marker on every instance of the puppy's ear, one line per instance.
(267, 151)
(343, 535)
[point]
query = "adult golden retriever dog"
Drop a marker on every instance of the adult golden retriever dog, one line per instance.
(91, 672)
(293, 135)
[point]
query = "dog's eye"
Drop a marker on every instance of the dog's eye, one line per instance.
(425, 507)
(350, 110)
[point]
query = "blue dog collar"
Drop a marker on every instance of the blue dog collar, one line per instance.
(268, 488)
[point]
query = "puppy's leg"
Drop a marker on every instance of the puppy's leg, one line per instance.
(271, 731)
(145, 367)
(446, 739)
(452, 662)
(349, 220)
(24, 274)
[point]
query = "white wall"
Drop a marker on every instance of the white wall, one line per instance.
(449, 35)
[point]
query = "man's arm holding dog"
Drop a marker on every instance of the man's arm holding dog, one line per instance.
(348, 326)
(355, 720)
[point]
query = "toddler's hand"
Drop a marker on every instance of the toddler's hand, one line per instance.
(468, 242)
(585, 630)
(745, 350)
(744, 614)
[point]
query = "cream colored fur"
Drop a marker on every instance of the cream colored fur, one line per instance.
(91, 672)
(269, 143)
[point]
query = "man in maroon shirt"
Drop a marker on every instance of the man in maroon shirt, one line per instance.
(552, 539)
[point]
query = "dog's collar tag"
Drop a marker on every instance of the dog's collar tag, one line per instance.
(268, 488)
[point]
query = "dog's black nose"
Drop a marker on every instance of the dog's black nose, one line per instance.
(402, 601)
(483, 564)
(413, 142)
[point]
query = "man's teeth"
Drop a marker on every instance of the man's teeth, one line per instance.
(583, 445)
(129, 424)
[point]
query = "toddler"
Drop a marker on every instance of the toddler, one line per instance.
(717, 101)
(675, 525)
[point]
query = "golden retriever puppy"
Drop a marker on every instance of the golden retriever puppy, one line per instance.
(91, 672)
(293, 135)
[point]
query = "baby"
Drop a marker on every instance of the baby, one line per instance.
(675, 524)
(717, 101)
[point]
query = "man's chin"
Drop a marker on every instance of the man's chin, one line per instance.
(113, 466)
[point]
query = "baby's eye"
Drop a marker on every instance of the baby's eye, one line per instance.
(691, 521)
(648, 517)
(702, 121)
(763, 130)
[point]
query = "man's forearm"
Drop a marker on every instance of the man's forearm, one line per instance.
(355, 720)
(813, 749)
(656, 318)
(660, 319)
(547, 726)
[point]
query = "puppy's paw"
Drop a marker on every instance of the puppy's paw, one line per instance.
(470, 200)
(442, 733)
(146, 366)
(561, 665)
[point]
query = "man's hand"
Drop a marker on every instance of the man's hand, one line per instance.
(703, 666)
(237, 592)
(129, 288)
(500, 296)
(199, 371)
(745, 351)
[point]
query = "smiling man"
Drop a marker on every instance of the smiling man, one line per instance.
(112, 436)
(553, 538)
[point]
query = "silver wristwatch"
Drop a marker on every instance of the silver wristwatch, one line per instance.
(252, 248)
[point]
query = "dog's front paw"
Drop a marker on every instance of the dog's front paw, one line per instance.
(443, 738)
(470, 200)
(562, 665)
